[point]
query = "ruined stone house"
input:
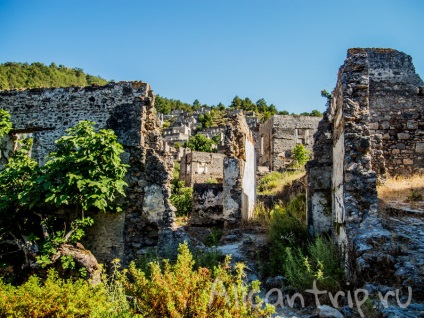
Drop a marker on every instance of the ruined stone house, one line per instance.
(128, 109)
(231, 201)
(280, 134)
(201, 167)
(373, 126)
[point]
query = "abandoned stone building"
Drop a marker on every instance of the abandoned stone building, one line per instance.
(373, 127)
(201, 167)
(232, 200)
(176, 134)
(280, 134)
(128, 109)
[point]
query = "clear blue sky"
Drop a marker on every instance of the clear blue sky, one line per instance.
(283, 51)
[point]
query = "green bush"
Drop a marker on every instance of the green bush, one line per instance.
(321, 262)
(182, 198)
(286, 229)
(300, 155)
(293, 254)
(213, 238)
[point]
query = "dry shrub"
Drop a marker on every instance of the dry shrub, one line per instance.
(179, 290)
(399, 189)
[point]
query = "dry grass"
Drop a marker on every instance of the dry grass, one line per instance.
(402, 189)
(274, 182)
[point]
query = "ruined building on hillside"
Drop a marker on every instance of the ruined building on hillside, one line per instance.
(374, 126)
(232, 199)
(128, 109)
(280, 134)
(201, 167)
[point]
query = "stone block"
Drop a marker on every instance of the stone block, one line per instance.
(407, 161)
(411, 124)
(419, 147)
(403, 136)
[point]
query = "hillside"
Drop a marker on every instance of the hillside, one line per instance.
(24, 75)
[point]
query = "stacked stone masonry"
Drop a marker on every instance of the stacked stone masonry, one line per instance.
(397, 112)
(128, 109)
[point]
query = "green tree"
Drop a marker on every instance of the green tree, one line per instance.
(316, 113)
(236, 103)
(85, 172)
(200, 142)
(22, 75)
(300, 154)
(196, 104)
(205, 121)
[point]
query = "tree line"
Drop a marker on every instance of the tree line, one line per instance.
(260, 107)
(23, 75)
(14, 75)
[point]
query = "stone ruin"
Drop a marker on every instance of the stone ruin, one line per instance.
(128, 109)
(201, 167)
(228, 203)
(373, 127)
(280, 134)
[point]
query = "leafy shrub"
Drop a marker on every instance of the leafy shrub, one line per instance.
(178, 290)
(200, 142)
(286, 229)
(322, 263)
(300, 154)
(212, 239)
(182, 198)
(293, 254)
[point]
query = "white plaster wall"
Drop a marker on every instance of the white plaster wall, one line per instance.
(153, 203)
(249, 181)
(337, 180)
(321, 220)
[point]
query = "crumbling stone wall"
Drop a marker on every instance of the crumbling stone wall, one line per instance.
(239, 190)
(128, 109)
(397, 112)
(199, 167)
(280, 134)
(374, 113)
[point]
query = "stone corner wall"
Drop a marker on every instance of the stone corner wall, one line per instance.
(373, 127)
(239, 169)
